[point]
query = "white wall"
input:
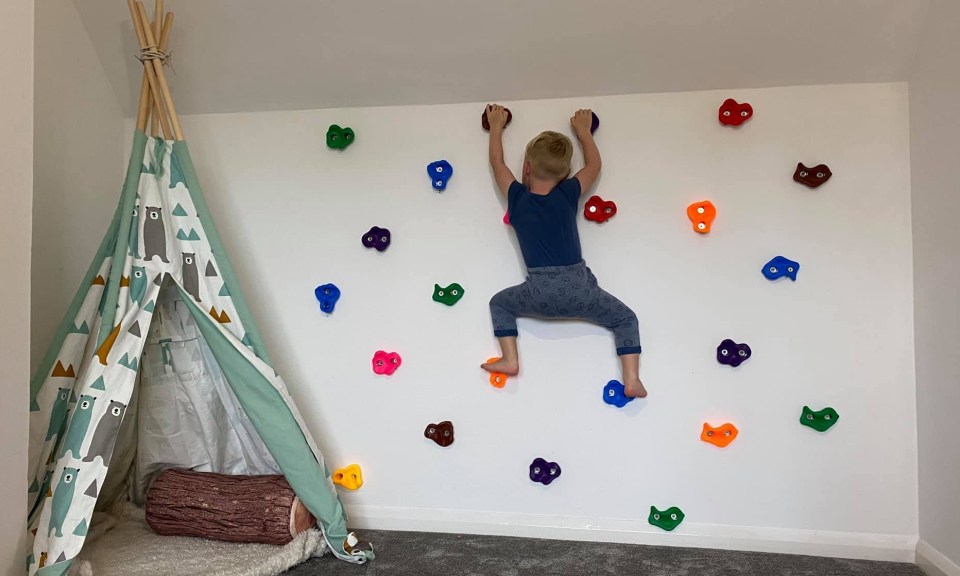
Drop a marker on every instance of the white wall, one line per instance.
(16, 190)
(79, 164)
(292, 213)
(934, 125)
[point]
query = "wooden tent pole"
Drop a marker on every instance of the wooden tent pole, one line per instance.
(164, 35)
(167, 99)
(157, 23)
(148, 67)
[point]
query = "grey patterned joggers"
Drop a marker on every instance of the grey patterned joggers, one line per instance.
(567, 292)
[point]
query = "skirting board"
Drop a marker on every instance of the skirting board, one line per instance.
(933, 563)
(888, 547)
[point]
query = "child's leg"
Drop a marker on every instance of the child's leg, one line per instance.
(613, 314)
(505, 307)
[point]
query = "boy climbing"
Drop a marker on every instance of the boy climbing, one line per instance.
(543, 212)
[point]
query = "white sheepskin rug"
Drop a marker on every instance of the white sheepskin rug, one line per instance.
(121, 543)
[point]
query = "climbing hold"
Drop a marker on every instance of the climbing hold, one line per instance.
(439, 173)
(812, 177)
(378, 238)
(719, 436)
(594, 123)
(613, 394)
(350, 477)
(485, 122)
(339, 138)
(544, 472)
(441, 433)
(732, 113)
(597, 209)
(780, 267)
(506, 218)
(497, 379)
(821, 420)
(386, 362)
(731, 353)
(449, 295)
(327, 295)
(667, 519)
(702, 215)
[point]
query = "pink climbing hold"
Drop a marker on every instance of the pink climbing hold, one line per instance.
(506, 218)
(386, 362)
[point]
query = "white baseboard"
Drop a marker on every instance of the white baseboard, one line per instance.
(933, 563)
(888, 547)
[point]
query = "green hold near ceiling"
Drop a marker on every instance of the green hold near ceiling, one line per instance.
(339, 138)
(667, 519)
(821, 420)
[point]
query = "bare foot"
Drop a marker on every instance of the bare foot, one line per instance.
(502, 366)
(634, 388)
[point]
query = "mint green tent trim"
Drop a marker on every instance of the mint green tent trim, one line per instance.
(87, 382)
(279, 431)
(181, 156)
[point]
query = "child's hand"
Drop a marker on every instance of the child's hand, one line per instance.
(496, 116)
(581, 121)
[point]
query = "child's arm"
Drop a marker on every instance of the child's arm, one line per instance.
(497, 117)
(587, 175)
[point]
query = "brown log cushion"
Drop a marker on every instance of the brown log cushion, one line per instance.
(261, 509)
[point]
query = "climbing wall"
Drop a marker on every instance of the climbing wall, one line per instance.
(839, 335)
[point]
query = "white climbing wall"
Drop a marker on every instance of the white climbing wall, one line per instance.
(292, 212)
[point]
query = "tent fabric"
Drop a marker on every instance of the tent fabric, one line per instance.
(161, 232)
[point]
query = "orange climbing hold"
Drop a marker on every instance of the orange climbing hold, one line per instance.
(349, 477)
(497, 379)
(719, 436)
(702, 215)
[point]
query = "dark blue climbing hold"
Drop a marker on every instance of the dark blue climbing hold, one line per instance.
(613, 394)
(327, 295)
(595, 123)
(377, 237)
(544, 472)
(781, 267)
(440, 173)
(731, 353)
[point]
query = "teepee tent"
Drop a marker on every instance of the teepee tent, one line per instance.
(158, 362)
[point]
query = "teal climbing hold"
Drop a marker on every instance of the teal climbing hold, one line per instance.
(667, 519)
(821, 420)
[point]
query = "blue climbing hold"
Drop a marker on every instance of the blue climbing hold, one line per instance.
(440, 173)
(613, 394)
(327, 295)
(781, 267)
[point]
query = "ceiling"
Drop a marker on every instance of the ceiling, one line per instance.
(250, 55)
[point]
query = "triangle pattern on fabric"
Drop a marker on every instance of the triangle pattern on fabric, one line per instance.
(92, 490)
(35, 487)
(135, 329)
(127, 362)
(60, 372)
(99, 281)
(246, 340)
(124, 281)
(179, 211)
(61, 558)
(150, 307)
(191, 237)
(81, 529)
(98, 384)
(158, 280)
(221, 316)
(83, 328)
(211, 271)
(224, 291)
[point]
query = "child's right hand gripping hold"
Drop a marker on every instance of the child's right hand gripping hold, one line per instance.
(496, 116)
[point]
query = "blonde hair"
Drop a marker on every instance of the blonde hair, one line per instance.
(549, 155)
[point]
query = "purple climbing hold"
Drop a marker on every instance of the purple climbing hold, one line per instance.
(378, 238)
(544, 472)
(731, 353)
(595, 123)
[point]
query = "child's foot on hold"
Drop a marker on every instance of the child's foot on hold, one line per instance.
(502, 366)
(634, 388)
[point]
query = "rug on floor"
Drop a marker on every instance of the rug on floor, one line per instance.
(120, 543)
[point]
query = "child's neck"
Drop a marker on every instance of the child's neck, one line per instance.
(541, 187)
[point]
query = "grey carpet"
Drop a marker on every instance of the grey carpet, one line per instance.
(426, 554)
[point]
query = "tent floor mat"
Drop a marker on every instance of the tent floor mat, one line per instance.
(121, 543)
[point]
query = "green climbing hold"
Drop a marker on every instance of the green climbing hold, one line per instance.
(449, 295)
(667, 519)
(339, 138)
(821, 420)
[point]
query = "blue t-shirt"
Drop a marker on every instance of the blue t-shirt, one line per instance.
(546, 226)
